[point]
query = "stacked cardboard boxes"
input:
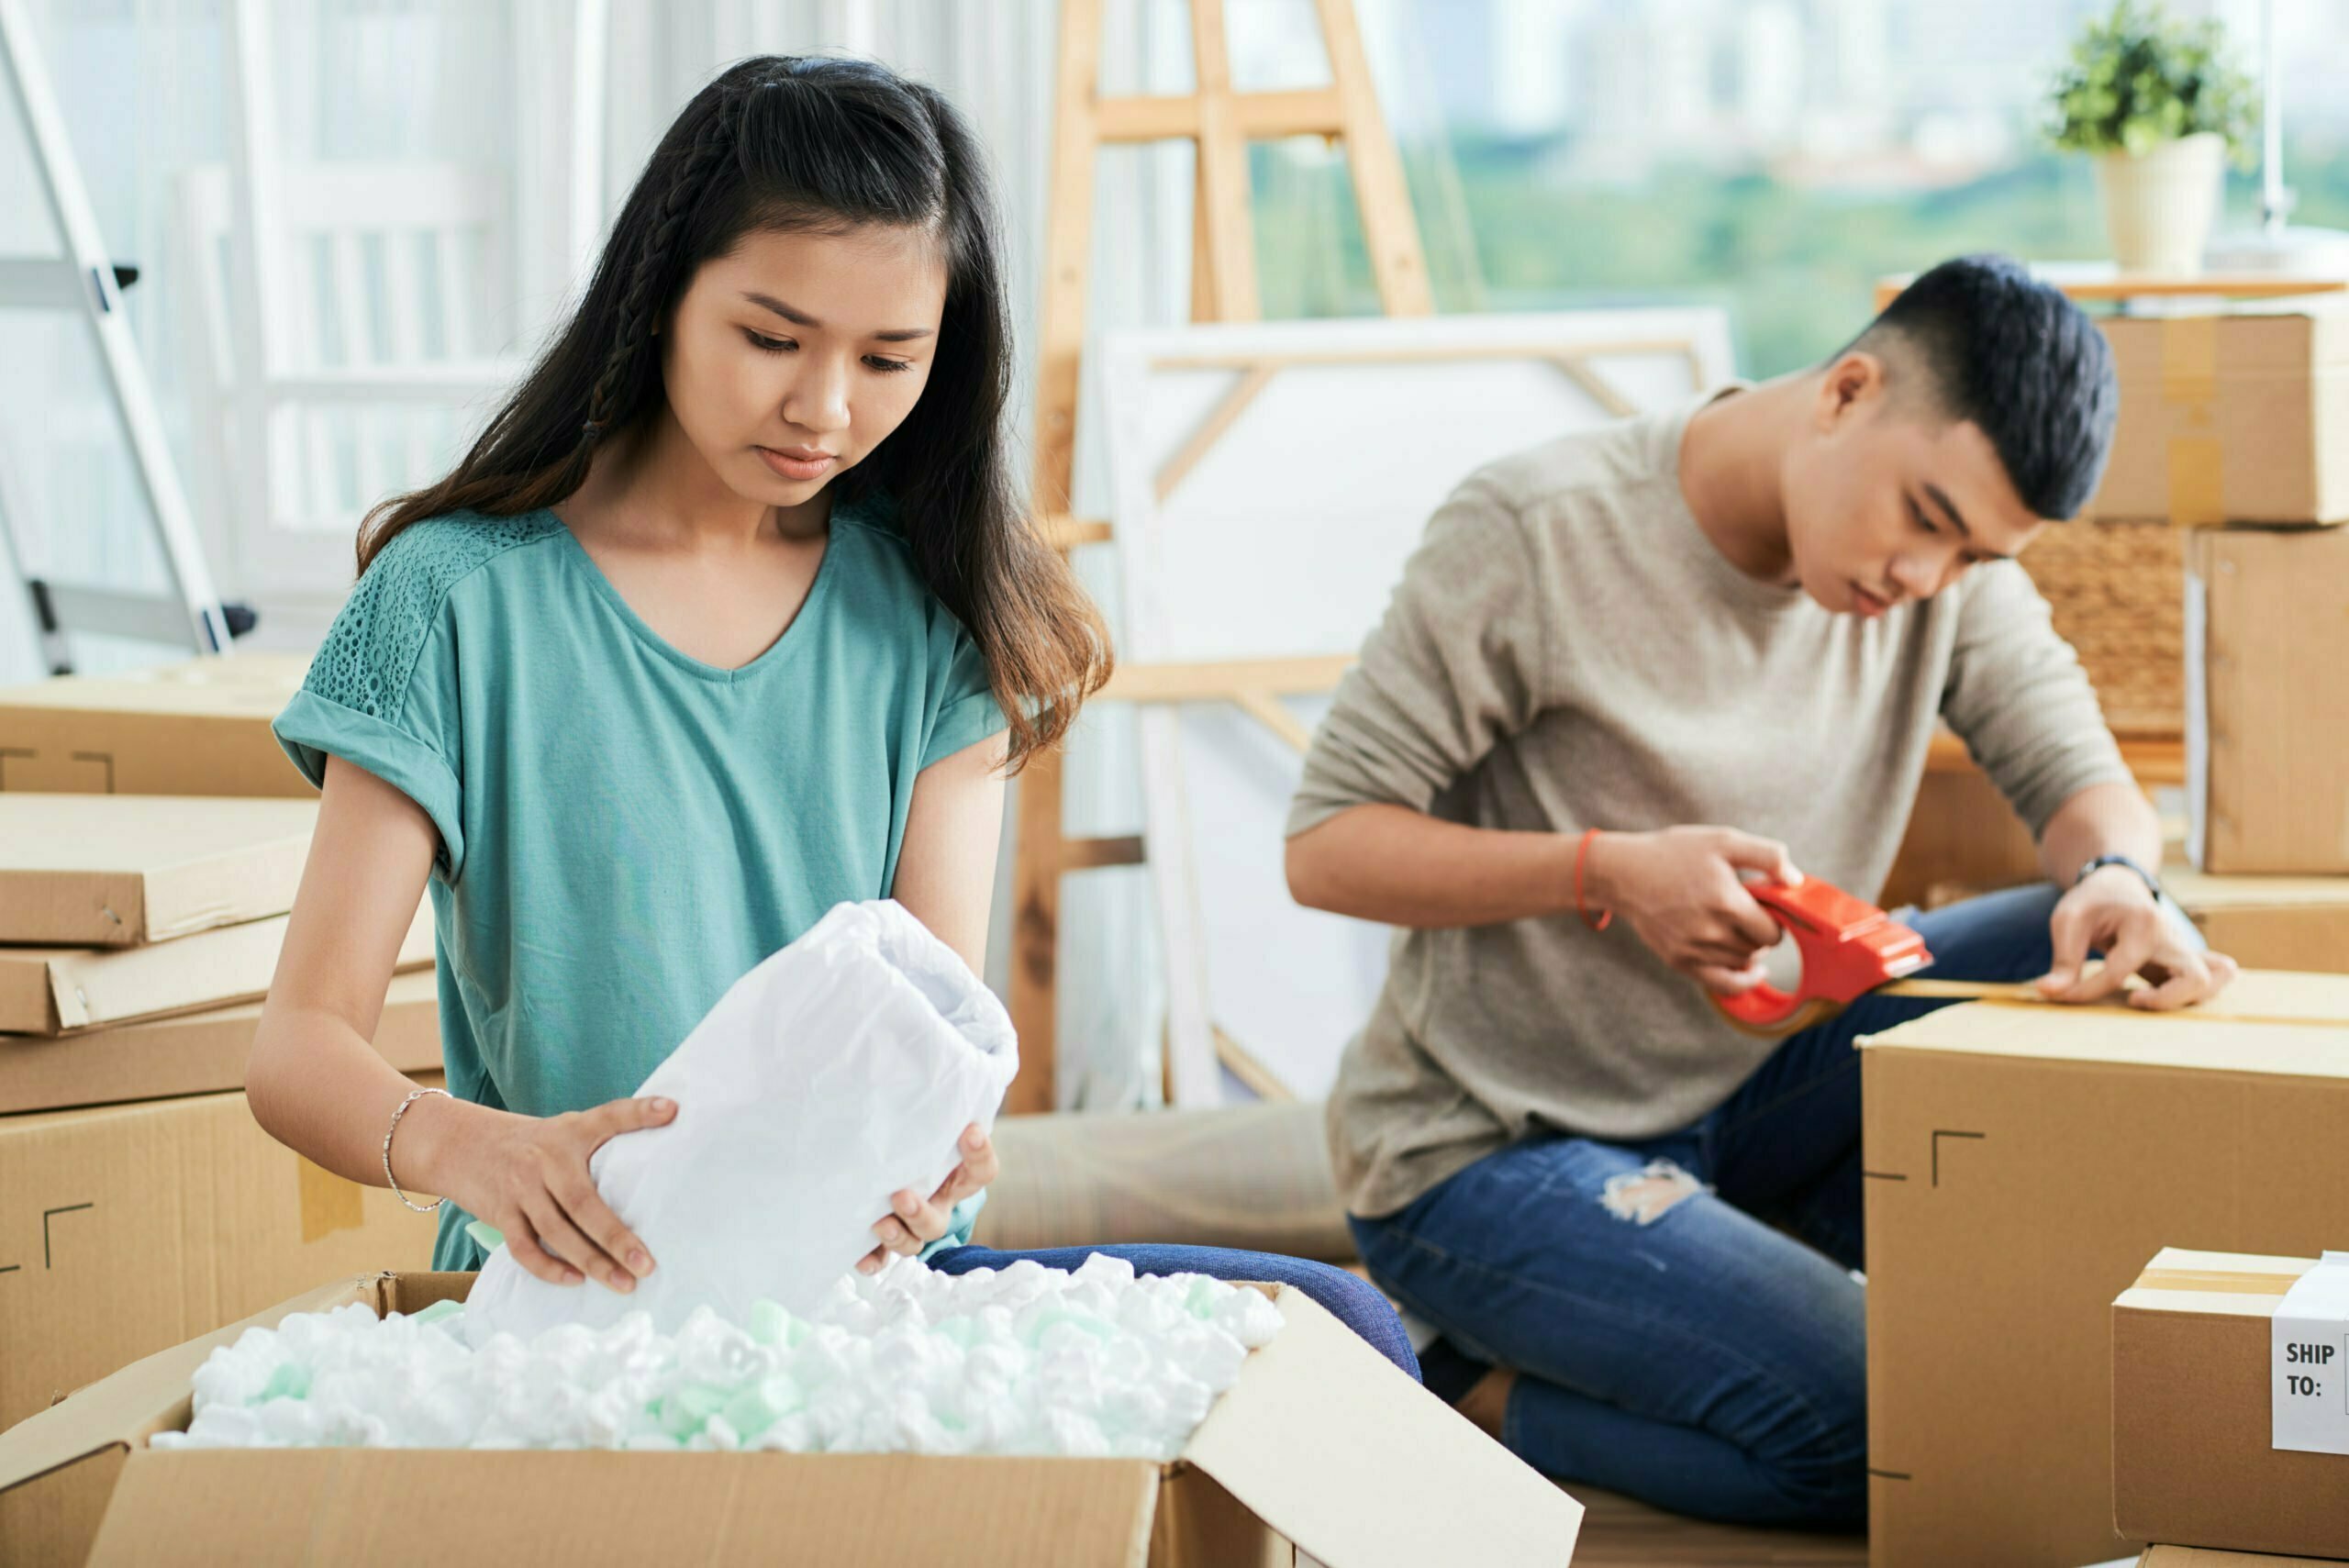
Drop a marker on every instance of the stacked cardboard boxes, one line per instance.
(2021, 1161)
(140, 1202)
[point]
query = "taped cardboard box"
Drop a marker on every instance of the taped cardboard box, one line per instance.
(1321, 1443)
(2269, 922)
(191, 1053)
(2233, 416)
(199, 727)
(2266, 709)
(2021, 1161)
(125, 1231)
(120, 871)
(2192, 1387)
(48, 990)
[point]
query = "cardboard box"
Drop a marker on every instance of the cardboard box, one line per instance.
(2191, 1421)
(124, 1230)
(1321, 1443)
(2269, 922)
(2239, 416)
(2266, 706)
(52, 990)
(200, 727)
(1251, 1176)
(119, 870)
(191, 1053)
(2205, 1557)
(2021, 1161)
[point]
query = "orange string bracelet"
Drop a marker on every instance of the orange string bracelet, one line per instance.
(1606, 917)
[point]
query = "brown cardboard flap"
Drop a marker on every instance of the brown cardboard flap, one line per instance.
(143, 1398)
(2241, 1284)
(115, 870)
(2267, 1022)
(337, 1506)
(2206, 1557)
(191, 1053)
(1325, 1441)
(85, 988)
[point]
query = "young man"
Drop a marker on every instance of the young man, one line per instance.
(1626, 671)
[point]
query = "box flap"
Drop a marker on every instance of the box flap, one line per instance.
(335, 1506)
(144, 1398)
(115, 870)
(2235, 1285)
(2199, 892)
(2211, 1557)
(245, 683)
(1328, 1442)
(2268, 1021)
(191, 1053)
(84, 987)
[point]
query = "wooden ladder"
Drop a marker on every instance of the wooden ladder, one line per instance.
(1221, 123)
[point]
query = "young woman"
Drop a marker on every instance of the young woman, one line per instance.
(729, 615)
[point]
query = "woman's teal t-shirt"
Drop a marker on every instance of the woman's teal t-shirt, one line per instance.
(625, 830)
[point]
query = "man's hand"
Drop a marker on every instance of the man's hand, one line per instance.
(2113, 912)
(914, 1224)
(1680, 890)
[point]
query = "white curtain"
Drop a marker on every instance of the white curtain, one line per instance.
(490, 82)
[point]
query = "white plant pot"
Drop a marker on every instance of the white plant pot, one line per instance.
(2159, 206)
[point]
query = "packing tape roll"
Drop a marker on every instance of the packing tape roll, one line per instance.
(329, 1203)
(2195, 462)
(2211, 1283)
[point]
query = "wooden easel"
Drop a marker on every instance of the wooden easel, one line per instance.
(1222, 122)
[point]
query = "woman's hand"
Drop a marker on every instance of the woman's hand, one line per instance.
(527, 1176)
(2113, 912)
(1680, 890)
(914, 1224)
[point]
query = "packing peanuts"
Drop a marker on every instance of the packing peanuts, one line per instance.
(2266, 710)
(2233, 416)
(126, 1229)
(1321, 1443)
(53, 990)
(2192, 1452)
(199, 727)
(2021, 1161)
(191, 1053)
(2269, 922)
(120, 871)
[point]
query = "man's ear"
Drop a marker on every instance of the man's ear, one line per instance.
(1851, 385)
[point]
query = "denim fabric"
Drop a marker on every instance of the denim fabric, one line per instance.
(1711, 1359)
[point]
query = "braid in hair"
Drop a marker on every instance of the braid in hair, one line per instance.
(646, 288)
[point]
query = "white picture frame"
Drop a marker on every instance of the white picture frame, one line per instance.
(1268, 484)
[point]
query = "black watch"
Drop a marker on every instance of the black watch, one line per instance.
(2152, 882)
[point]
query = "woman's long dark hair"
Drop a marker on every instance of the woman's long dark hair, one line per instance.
(812, 143)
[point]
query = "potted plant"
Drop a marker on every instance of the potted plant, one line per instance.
(2159, 107)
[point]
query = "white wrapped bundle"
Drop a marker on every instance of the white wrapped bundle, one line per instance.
(836, 1073)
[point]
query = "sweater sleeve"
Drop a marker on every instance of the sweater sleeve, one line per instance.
(1455, 667)
(2017, 696)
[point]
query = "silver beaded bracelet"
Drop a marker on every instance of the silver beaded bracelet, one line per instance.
(393, 1182)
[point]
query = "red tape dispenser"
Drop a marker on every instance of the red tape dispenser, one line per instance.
(1849, 947)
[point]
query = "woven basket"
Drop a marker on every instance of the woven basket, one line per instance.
(2117, 591)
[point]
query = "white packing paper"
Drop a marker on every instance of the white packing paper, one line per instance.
(837, 1072)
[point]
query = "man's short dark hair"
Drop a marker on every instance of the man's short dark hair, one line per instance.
(2010, 354)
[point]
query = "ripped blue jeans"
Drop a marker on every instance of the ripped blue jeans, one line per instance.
(1674, 1339)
